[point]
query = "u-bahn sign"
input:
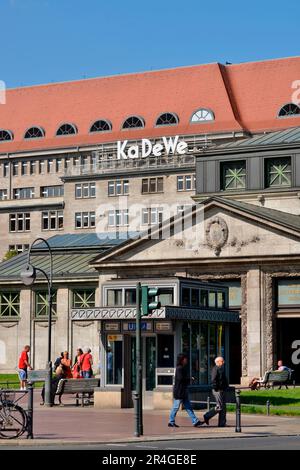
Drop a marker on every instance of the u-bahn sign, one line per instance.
(170, 145)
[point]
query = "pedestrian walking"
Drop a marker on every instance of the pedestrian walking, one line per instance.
(219, 384)
(180, 393)
(23, 365)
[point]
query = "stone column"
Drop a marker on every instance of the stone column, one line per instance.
(24, 327)
(254, 316)
(61, 339)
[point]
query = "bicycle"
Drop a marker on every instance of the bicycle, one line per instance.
(13, 418)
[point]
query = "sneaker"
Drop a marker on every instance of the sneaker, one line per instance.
(206, 421)
(198, 424)
(173, 425)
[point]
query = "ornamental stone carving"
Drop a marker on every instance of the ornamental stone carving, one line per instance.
(269, 317)
(216, 234)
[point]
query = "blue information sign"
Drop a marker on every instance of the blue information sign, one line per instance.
(132, 326)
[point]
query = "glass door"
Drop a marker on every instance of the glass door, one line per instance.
(150, 362)
(148, 347)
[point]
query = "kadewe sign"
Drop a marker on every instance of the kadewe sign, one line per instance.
(171, 145)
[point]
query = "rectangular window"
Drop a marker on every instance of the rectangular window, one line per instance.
(18, 248)
(41, 167)
(221, 299)
(166, 296)
(111, 188)
(185, 296)
(85, 190)
(5, 169)
(23, 193)
(15, 168)
(278, 172)
(152, 185)
(67, 161)
(24, 168)
(195, 297)
(114, 298)
(85, 219)
(52, 191)
(19, 222)
(118, 218)
(58, 165)
(233, 175)
(118, 187)
(130, 297)
(9, 304)
(52, 220)
(212, 299)
(204, 298)
(152, 216)
(186, 182)
(49, 165)
(3, 194)
(32, 167)
(84, 298)
(42, 303)
(114, 360)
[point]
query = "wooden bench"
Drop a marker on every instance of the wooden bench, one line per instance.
(76, 386)
(275, 377)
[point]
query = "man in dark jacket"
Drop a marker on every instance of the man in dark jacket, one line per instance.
(219, 384)
(180, 393)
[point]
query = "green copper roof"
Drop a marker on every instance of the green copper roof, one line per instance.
(288, 136)
(71, 253)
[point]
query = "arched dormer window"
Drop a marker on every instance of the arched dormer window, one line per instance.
(101, 126)
(66, 129)
(288, 110)
(202, 115)
(5, 135)
(133, 122)
(34, 132)
(167, 119)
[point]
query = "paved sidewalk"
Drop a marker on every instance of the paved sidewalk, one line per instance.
(70, 425)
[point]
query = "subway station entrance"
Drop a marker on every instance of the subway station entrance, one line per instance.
(193, 318)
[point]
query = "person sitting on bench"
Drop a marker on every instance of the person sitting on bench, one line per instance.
(60, 373)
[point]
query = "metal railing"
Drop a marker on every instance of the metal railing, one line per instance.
(9, 393)
(132, 165)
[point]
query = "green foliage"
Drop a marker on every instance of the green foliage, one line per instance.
(12, 381)
(284, 402)
(9, 254)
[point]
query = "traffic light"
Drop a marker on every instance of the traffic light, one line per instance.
(148, 301)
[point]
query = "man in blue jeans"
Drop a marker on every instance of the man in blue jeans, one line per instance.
(180, 393)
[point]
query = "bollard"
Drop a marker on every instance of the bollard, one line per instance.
(238, 411)
(268, 407)
(30, 411)
(136, 414)
(208, 403)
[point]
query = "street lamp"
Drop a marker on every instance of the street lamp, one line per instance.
(28, 276)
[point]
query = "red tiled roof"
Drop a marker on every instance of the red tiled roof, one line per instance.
(243, 96)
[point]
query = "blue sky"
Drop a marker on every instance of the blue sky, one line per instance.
(56, 40)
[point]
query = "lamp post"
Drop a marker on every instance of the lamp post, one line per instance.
(28, 276)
